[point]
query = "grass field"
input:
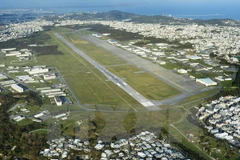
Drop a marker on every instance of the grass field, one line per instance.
(109, 124)
(144, 83)
(183, 140)
(99, 55)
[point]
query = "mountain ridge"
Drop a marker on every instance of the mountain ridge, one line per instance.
(137, 18)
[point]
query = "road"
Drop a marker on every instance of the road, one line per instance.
(151, 106)
(63, 81)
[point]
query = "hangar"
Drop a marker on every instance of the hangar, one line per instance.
(206, 81)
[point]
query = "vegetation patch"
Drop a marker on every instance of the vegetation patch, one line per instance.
(27, 145)
(47, 50)
(35, 38)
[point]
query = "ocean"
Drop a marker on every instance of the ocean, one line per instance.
(180, 11)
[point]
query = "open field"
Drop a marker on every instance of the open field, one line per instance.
(99, 55)
(179, 138)
(146, 84)
(105, 125)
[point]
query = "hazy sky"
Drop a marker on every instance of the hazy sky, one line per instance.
(71, 3)
(178, 8)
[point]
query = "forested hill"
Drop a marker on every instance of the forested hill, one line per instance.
(123, 16)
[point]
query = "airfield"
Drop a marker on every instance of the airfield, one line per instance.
(182, 84)
(185, 84)
(115, 79)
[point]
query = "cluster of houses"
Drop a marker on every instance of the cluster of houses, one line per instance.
(221, 40)
(13, 31)
(142, 146)
(221, 118)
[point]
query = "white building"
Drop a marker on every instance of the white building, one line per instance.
(17, 88)
(193, 57)
(18, 118)
(58, 100)
(8, 50)
(24, 77)
(2, 76)
(60, 115)
(182, 71)
(13, 53)
(206, 81)
(50, 90)
(37, 70)
(39, 115)
(26, 54)
(49, 76)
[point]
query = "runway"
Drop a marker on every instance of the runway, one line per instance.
(150, 105)
(186, 85)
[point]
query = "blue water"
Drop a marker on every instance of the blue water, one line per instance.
(197, 9)
(181, 11)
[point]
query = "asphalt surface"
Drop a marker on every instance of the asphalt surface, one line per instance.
(112, 77)
(185, 84)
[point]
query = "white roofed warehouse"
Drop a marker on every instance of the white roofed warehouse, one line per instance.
(49, 76)
(17, 88)
(206, 81)
(58, 100)
(37, 70)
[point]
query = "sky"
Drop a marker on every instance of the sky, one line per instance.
(71, 3)
(225, 8)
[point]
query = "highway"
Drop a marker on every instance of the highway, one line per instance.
(151, 106)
